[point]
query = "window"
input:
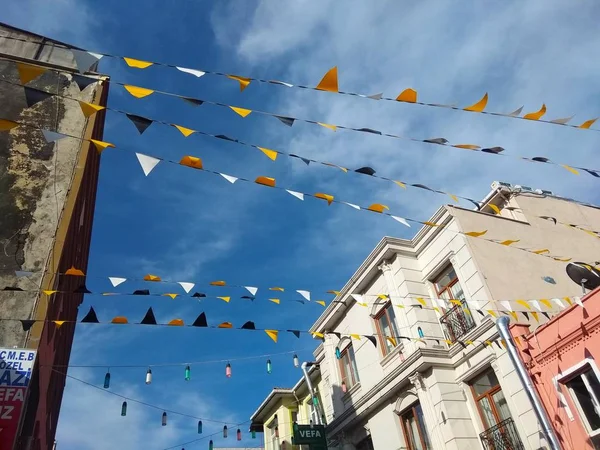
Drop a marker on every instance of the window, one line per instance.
(348, 369)
(458, 320)
(585, 392)
(273, 435)
(413, 427)
(386, 328)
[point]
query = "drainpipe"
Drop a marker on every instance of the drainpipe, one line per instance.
(315, 399)
(540, 412)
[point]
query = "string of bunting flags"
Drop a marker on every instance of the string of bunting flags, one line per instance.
(148, 163)
(141, 92)
(84, 59)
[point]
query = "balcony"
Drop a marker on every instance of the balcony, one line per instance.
(457, 322)
(502, 436)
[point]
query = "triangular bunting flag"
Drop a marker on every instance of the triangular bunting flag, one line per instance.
(150, 277)
(191, 161)
(352, 205)
(536, 115)
(198, 295)
(149, 318)
(83, 82)
(34, 96)
(229, 178)
(58, 323)
(200, 321)
(316, 334)
(273, 334)
(141, 123)
(249, 326)
(282, 83)
(298, 195)
(271, 154)
(7, 125)
(49, 292)
(196, 73)
(176, 323)
(476, 233)
(90, 317)
(562, 121)
(187, 287)
(479, 106)
(115, 281)
(321, 302)
(578, 301)
(29, 73)
(147, 162)
(173, 296)
(516, 112)
(52, 136)
(357, 297)
(275, 300)
(408, 96)
(185, 131)
(295, 333)
(305, 294)
(136, 63)
(326, 125)
(241, 111)
(375, 96)
(84, 60)
(244, 82)
(372, 339)
(588, 123)
(141, 292)
(253, 290)
(225, 299)
(27, 324)
(265, 181)
(327, 197)
(121, 320)
(289, 121)
(192, 101)
(401, 220)
(89, 109)
(329, 82)
(82, 290)
(138, 92)
(101, 145)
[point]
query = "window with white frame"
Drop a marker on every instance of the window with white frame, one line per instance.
(387, 330)
(584, 389)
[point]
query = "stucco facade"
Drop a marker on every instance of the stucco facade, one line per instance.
(416, 395)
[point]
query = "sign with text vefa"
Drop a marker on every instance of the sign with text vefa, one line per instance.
(311, 435)
(16, 366)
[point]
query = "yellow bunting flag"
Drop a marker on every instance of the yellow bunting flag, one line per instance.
(568, 300)
(508, 242)
(90, 109)
(488, 343)
(244, 82)
(75, 272)
(326, 125)
(523, 303)
(173, 296)
(469, 342)
(241, 111)
(185, 131)
(321, 302)
(494, 208)
(329, 82)
(476, 233)
(151, 277)
(546, 303)
(588, 123)
(191, 161)
(217, 283)
(119, 320)
(479, 106)
(421, 301)
(467, 146)
(176, 323)
(28, 73)
(137, 63)
(536, 115)
(273, 334)
(327, 197)
(513, 314)
(343, 169)
(392, 340)
(448, 342)
(400, 306)
(101, 145)
(570, 169)
(277, 288)
(275, 300)
(138, 92)
(331, 291)
(58, 323)
(49, 292)
(535, 316)
(562, 259)
(265, 181)
(383, 296)
(271, 154)
(225, 325)
(317, 334)
(377, 207)
(407, 96)
(225, 299)
(400, 183)
(491, 312)
(541, 251)
(355, 336)
(6, 125)
(453, 197)
(431, 224)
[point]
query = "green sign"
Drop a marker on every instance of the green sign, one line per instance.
(310, 434)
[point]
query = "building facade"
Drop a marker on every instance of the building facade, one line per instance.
(47, 200)
(562, 359)
(438, 392)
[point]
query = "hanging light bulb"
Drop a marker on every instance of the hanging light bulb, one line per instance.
(164, 419)
(199, 427)
(253, 434)
(344, 388)
(338, 353)
(149, 376)
(296, 361)
(239, 434)
(420, 332)
(107, 379)
(228, 370)
(224, 431)
(124, 409)
(276, 431)
(269, 367)
(188, 373)
(210, 445)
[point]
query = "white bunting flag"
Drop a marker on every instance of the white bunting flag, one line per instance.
(304, 294)
(578, 301)
(536, 305)
(187, 287)
(52, 136)
(352, 205)
(229, 178)
(401, 220)
(84, 60)
(507, 305)
(147, 162)
(115, 281)
(298, 195)
(197, 73)
(559, 302)
(358, 298)
(251, 289)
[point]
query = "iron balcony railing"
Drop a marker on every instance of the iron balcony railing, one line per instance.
(503, 436)
(457, 322)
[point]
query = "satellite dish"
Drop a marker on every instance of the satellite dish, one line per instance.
(585, 275)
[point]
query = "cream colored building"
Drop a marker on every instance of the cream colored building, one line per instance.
(428, 395)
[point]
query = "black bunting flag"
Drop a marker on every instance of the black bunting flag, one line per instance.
(141, 123)
(91, 317)
(34, 96)
(200, 321)
(149, 318)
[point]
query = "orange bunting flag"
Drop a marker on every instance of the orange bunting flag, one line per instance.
(476, 233)
(29, 73)
(588, 123)
(217, 283)
(277, 288)
(101, 145)
(467, 146)
(7, 125)
(75, 272)
(542, 251)
(327, 197)
(151, 277)
(89, 109)
(536, 115)
(176, 323)
(191, 161)
(508, 242)
(120, 320)
(377, 207)
(407, 96)
(273, 334)
(479, 106)
(265, 181)
(244, 82)
(225, 325)
(329, 82)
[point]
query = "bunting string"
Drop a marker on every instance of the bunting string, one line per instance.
(148, 163)
(329, 83)
(141, 92)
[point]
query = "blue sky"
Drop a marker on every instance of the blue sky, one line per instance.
(190, 226)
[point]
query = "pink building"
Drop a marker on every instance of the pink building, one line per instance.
(561, 357)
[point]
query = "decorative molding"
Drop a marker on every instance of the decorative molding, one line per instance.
(417, 381)
(385, 266)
